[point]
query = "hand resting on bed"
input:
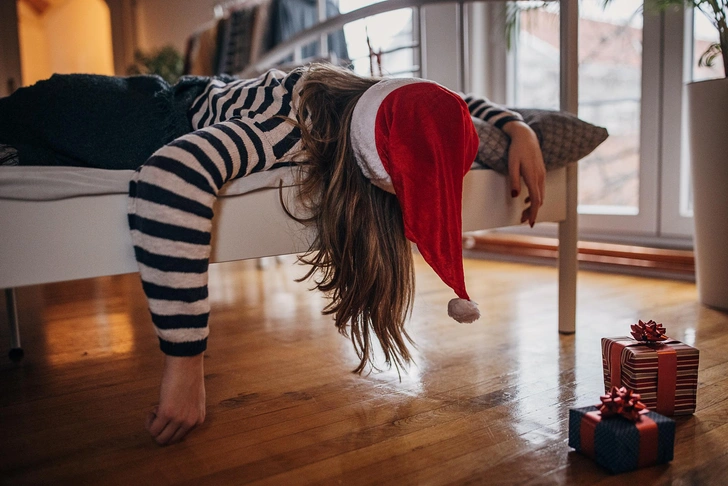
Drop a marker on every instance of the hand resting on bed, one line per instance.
(563, 138)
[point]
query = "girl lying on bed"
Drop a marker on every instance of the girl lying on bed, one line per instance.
(382, 163)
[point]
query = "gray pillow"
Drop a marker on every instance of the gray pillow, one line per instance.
(563, 137)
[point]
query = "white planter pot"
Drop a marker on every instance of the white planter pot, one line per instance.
(708, 122)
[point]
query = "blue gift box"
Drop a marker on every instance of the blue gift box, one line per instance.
(618, 444)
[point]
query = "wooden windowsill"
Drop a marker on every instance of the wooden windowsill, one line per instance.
(597, 256)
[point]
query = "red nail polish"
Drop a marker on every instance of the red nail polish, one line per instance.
(514, 193)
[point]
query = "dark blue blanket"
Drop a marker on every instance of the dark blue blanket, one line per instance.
(96, 121)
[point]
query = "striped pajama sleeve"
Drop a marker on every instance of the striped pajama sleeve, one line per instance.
(490, 112)
(171, 198)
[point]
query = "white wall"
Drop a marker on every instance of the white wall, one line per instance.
(67, 37)
(440, 61)
(34, 49)
(486, 48)
(170, 22)
(79, 37)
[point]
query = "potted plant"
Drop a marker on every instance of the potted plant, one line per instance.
(708, 130)
(716, 11)
(166, 62)
(707, 115)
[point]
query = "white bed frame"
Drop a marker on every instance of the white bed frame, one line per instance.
(88, 236)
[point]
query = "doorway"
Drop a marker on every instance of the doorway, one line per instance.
(63, 36)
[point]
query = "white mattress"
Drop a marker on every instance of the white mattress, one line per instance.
(51, 233)
(55, 183)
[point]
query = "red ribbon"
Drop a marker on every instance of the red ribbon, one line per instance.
(666, 363)
(666, 380)
(587, 432)
(622, 403)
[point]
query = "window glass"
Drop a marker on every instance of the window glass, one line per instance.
(389, 35)
(610, 70)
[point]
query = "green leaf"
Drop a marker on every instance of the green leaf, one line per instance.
(166, 62)
(710, 54)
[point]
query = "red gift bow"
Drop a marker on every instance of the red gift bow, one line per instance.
(622, 402)
(648, 331)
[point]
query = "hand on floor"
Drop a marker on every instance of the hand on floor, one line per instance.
(181, 400)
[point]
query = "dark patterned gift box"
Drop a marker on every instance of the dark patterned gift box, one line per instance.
(663, 371)
(621, 438)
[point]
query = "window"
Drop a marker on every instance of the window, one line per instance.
(610, 68)
(630, 188)
(390, 36)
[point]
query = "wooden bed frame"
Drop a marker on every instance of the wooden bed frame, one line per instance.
(88, 236)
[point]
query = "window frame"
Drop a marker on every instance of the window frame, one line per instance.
(665, 61)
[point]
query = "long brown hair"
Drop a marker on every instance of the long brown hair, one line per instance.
(360, 255)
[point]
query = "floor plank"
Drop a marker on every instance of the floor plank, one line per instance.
(487, 403)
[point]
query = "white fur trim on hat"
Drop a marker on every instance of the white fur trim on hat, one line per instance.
(465, 311)
(362, 130)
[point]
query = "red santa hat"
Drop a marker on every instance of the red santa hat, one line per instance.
(415, 139)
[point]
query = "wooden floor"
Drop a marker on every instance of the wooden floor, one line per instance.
(487, 403)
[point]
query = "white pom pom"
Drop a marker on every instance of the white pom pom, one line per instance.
(463, 310)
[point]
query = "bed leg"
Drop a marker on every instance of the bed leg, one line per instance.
(16, 352)
(568, 252)
(569, 101)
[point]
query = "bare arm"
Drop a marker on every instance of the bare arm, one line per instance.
(525, 160)
(524, 154)
(170, 215)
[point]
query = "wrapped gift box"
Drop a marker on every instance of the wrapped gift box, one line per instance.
(664, 373)
(618, 444)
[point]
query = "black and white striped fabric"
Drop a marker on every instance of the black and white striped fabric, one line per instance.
(490, 112)
(240, 128)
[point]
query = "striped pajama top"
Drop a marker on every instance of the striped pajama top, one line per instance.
(238, 130)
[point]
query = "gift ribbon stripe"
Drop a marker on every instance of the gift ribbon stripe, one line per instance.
(684, 405)
(647, 396)
(652, 375)
(648, 386)
(646, 351)
(636, 366)
(633, 363)
(651, 383)
(642, 374)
